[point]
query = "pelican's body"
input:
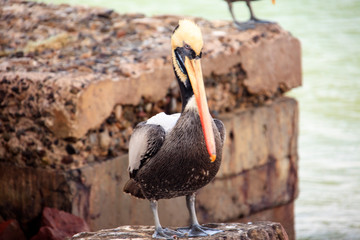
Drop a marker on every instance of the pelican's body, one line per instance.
(181, 164)
(175, 155)
(252, 20)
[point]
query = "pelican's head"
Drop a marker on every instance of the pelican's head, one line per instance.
(186, 43)
(186, 46)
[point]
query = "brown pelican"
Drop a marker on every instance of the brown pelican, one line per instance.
(252, 20)
(175, 155)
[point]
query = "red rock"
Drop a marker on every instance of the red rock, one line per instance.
(64, 221)
(49, 233)
(10, 230)
(58, 224)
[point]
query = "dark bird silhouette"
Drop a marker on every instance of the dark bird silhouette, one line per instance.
(175, 155)
(252, 21)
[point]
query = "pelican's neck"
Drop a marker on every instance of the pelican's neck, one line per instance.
(183, 80)
(190, 105)
(187, 93)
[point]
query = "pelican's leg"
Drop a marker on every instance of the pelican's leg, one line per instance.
(231, 12)
(195, 229)
(252, 16)
(160, 232)
(239, 25)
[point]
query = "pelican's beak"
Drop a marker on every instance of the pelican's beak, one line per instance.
(193, 68)
(273, 1)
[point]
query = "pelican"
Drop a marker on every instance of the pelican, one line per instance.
(252, 20)
(175, 155)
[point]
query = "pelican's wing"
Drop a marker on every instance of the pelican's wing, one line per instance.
(145, 141)
(148, 138)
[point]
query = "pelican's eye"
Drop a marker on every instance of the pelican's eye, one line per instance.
(188, 51)
(186, 46)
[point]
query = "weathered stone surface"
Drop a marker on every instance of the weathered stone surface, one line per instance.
(283, 214)
(250, 231)
(84, 90)
(62, 86)
(11, 230)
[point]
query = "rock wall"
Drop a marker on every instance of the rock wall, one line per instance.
(74, 82)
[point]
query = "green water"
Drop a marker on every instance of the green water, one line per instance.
(328, 206)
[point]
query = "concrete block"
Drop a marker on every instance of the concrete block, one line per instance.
(247, 183)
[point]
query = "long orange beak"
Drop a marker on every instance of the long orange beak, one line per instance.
(273, 1)
(193, 68)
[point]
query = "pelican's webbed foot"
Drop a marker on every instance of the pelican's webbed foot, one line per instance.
(243, 26)
(255, 20)
(196, 230)
(250, 24)
(165, 233)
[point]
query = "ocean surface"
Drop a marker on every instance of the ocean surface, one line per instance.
(328, 206)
